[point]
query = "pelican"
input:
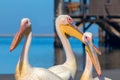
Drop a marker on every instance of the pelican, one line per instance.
(87, 74)
(24, 71)
(65, 26)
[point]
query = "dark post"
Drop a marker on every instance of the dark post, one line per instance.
(58, 48)
(84, 16)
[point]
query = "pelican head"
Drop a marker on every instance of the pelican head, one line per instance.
(25, 28)
(87, 38)
(65, 25)
(64, 19)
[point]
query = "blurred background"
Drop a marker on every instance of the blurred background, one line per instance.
(101, 17)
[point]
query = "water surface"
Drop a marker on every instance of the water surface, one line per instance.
(41, 53)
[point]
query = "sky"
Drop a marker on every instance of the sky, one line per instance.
(40, 12)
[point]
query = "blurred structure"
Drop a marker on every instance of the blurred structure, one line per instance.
(105, 13)
(59, 55)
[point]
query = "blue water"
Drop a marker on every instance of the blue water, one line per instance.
(41, 53)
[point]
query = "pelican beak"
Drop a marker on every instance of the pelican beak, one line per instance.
(72, 30)
(93, 55)
(18, 37)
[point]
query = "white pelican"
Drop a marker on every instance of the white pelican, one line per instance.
(23, 70)
(87, 74)
(65, 25)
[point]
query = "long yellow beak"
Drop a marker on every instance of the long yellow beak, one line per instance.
(72, 31)
(93, 55)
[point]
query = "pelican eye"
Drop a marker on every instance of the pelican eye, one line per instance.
(69, 20)
(86, 37)
(26, 22)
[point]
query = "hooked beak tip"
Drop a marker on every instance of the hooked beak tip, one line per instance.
(11, 49)
(99, 74)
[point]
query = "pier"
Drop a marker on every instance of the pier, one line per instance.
(104, 13)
